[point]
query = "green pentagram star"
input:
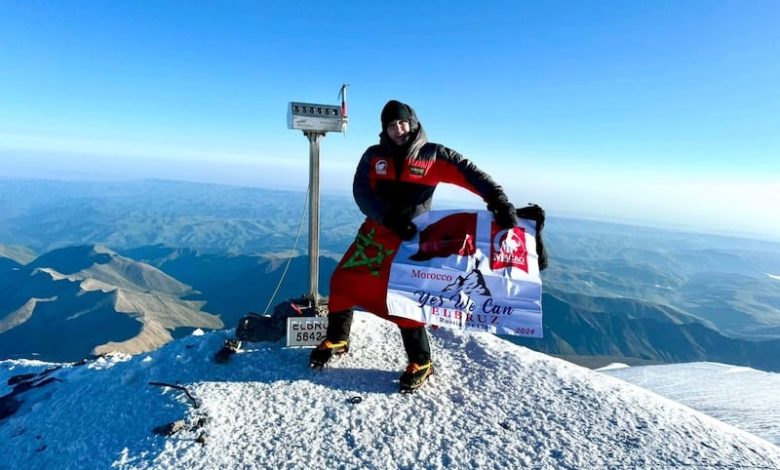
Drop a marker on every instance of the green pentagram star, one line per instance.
(364, 243)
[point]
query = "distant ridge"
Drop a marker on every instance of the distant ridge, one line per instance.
(84, 300)
(632, 329)
(236, 284)
(612, 289)
(46, 215)
(16, 253)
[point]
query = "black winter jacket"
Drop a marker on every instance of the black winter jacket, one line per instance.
(387, 180)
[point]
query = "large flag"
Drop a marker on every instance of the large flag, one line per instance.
(463, 271)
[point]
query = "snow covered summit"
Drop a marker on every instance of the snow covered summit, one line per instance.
(490, 404)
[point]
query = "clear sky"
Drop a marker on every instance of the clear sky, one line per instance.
(650, 111)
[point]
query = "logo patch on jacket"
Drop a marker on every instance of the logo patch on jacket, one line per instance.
(417, 170)
(381, 167)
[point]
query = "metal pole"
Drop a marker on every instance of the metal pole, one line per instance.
(314, 215)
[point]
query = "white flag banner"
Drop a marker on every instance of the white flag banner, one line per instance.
(463, 271)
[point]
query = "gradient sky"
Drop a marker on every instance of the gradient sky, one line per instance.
(647, 111)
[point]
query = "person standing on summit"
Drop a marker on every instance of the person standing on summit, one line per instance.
(394, 182)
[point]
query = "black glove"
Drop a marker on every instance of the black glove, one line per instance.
(401, 224)
(504, 212)
(533, 212)
(536, 213)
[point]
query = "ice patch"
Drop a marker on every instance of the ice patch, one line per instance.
(737, 395)
(613, 366)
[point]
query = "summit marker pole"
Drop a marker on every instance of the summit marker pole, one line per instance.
(314, 214)
(315, 120)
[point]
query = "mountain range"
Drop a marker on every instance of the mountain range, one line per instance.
(638, 294)
(640, 333)
(236, 284)
(44, 215)
(74, 302)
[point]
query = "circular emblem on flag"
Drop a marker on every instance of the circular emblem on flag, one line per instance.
(508, 249)
(510, 242)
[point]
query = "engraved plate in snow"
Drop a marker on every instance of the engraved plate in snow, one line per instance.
(306, 331)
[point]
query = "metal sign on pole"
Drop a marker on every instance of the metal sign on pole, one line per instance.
(315, 120)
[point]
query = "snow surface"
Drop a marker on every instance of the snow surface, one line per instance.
(490, 404)
(741, 396)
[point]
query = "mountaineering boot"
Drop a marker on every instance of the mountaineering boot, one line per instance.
(415, 376)
(336, 339)
(418, 350)
(327, 349)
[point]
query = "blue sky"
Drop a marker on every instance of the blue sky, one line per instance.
(650, 111)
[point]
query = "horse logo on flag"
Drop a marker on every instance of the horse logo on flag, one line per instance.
(508, 249)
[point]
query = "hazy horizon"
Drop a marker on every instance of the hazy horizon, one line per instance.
(447, 197)
(664, 112)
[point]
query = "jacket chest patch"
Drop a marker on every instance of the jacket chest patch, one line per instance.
(417, 170)
(381, 167)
